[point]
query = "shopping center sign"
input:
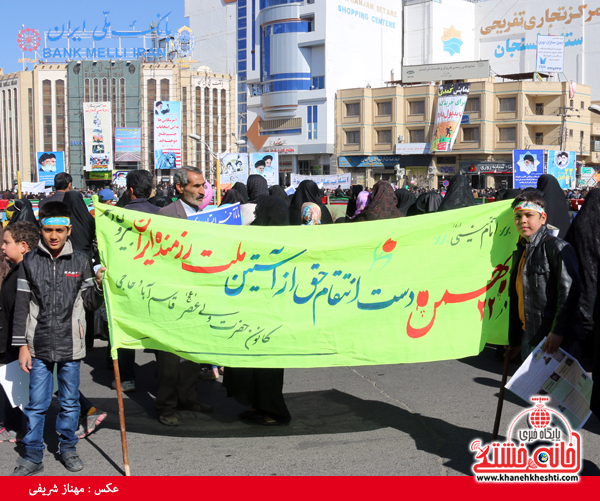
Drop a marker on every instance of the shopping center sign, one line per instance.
(68, 41)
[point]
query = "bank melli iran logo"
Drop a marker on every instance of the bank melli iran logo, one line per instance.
(451, 40)
(558, 452)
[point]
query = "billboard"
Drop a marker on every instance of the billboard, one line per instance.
(452, 99)
(234, 168)
(167, 134)
(326, 182)
(561, 164)
(97, 133)
(447, 71)
(266, 165)
(49, 163)
(119, 178)
(528, 166)
(550, 54)
(128, 144)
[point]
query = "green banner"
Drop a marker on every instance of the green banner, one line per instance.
(425, 288)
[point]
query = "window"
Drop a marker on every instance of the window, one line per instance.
(570, 132)
(60, 115)
(539, 138)
(508, 104)
(508, 134)
(539, 108)
(470, 134)
(312, 116)
(417, 135)
(417, 107)
(318, 83)
(582, 105)
(47, 114)
(384, 108)
(472, 105)
(353, 109)
(571, 103)
(164, 89)
(384, 136)
(353, 137)
(151, 98)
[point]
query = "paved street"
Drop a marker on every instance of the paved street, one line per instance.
(414, 419)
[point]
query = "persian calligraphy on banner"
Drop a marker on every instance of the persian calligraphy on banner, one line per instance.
(167, 135)
(452, 99)
(227, 214)
(327, 182)
(276, 297)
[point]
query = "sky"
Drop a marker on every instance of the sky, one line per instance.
(43, 15)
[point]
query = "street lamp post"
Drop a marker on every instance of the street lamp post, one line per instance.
(198, 139)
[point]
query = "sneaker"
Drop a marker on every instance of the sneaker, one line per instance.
(126, 386)
(72, 461)
(89, 422)
(11, 436)
(27, 468)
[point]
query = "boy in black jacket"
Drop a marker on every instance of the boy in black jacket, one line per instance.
(54, 285)
(544, 282)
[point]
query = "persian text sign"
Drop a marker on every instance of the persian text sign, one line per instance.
(452, 99)
(274, 297)
(167, 135)
(550, 54)
(228, 214)
(98, 137)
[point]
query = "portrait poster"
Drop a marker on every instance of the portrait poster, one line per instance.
(49, 163)
(528, 166)
(266, 165)
(561, 165)
(167, 135)
(234, 168)
(97, 124)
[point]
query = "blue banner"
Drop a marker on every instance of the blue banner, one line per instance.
(561, 164)
(528, 166)
(49, 164)
(227, 214)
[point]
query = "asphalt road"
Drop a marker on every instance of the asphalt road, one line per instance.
(414, 419)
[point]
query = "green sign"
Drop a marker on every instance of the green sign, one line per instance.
(417, 289)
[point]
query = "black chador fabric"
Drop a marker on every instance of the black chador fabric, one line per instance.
(83, 231)
(241, 188)
(382, 205)
(351, 207)
(405, 200)
(307, 191)
(22, 211)
(257, 186)
(232, 197)
(584, 236)
(279, 192)
(556, 203)
(426, 203)
(510, 194)
(261, 388)
(459, 194)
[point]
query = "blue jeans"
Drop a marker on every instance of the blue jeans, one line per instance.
(40, 395)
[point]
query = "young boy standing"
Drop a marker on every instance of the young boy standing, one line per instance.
(544, 282)
(55, 284)
(19, 238)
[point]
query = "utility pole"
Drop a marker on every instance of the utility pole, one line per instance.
(563, 113)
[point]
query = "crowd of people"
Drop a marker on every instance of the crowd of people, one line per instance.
(37, 333)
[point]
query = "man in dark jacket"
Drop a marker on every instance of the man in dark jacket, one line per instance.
(544, 284)
(177, 380)
(139, 189)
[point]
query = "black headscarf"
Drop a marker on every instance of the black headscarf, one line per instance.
(271, 211)
(123, 200)
(382, 205)
(307, 191)
(232, 197)
(426, 203)
(351, 207)
(510, 194)
(241, 188)
(160, 200)
(83, 229)
(257, 186)
(459, 194)
(279, 192)
(499, 195)
(405, 200)
(556, 204)
(22, 211)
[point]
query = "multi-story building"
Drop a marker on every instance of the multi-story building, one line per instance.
(379, 129)
(291, 57)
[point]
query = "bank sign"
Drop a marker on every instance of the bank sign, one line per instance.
(79, 41)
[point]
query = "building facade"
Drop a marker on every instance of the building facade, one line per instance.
(381, 129)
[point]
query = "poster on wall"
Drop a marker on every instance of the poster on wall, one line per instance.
(528, 166)
(128, 144)
(49, 163)
(98, 137)
(119, 179)
(234, 168)
(550, 54)
(167, 135)
(452, 99)
(561, 165)
(266, 165)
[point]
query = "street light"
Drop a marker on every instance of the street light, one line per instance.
(594, 108)
(198, 139)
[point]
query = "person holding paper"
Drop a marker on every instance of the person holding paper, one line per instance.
(544, 285)
(19, 239)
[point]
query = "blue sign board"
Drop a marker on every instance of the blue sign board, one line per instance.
(466, 119)
(50, 163)
(561, 164)
(528, 166)
(227, 214)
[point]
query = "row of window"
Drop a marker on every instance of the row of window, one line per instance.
(470, 134)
